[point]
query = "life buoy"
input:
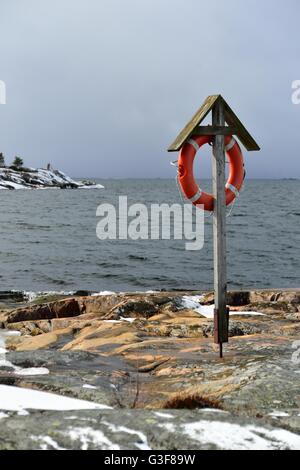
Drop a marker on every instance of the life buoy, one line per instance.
(187, 181)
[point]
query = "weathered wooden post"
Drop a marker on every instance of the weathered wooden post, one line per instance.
(221, 114)
(221, 315)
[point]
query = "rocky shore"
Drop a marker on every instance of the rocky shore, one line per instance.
(30, 178)
(151, 358)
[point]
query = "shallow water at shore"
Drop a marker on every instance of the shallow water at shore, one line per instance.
(48, 241)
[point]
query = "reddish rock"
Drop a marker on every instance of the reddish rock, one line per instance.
(168, 354)
(61, 309)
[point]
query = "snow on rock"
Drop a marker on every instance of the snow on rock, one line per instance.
(228, 436)
(129, 320)
(192, 302)
(141, 444)
(163, 415)
(29, 178)
(16, 399)
(278, 414)
(47, 443)
(87, 436)
(29, 371)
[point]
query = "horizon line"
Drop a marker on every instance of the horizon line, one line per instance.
(294, 178)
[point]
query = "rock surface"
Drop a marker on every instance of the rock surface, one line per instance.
(155, 351)
(141, 430)
(30, 178)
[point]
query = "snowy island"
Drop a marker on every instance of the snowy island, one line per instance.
(30, 178)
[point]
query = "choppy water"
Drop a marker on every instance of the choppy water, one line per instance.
(48, 241)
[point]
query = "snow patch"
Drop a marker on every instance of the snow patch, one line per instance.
(29, 371)
(16, 399)
(213, 410)
(48, 442)
(192, 302)
(33, 371)
(12, 185)
(164, 415)
(20, 399)
(8, 333)
(279, 414)
(129, 320)
(168, 426)
(23, 413)
(229, 436)
(142, 444)
(88, 436)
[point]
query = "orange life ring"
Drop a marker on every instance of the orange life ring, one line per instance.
(187, 181)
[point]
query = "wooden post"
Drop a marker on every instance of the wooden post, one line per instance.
(219, 230)
(221, 113)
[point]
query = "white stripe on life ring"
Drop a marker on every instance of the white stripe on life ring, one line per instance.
(194, 144)
(233, 189)
(230, 145)
(196, 197)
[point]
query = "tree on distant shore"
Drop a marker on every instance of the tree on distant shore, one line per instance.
(2, 160)
(18, 162)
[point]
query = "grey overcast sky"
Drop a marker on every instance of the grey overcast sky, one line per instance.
(101, 87)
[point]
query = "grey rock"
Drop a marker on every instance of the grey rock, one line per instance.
(140, 429)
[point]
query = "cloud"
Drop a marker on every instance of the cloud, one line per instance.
(102, 87)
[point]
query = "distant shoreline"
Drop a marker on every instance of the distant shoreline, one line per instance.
(40, 178)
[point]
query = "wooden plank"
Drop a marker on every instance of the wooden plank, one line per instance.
(230, 117)
(219, 229)
(214, 130)
(196, 119)
(242, 133)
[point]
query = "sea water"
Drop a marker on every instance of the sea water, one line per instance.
(48, 241)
